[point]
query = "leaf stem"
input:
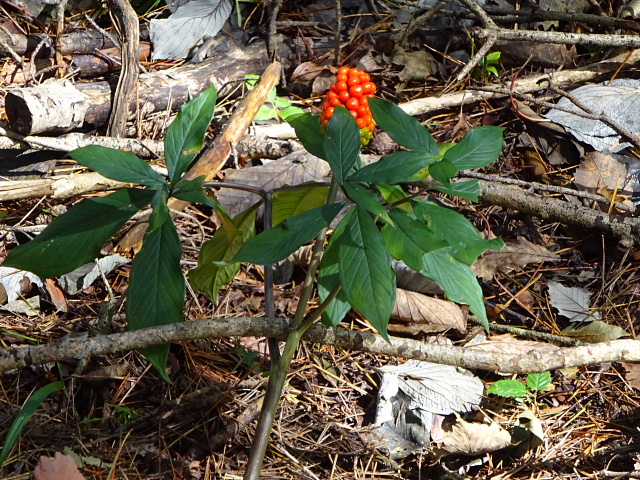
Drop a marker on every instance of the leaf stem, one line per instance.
(280, 369)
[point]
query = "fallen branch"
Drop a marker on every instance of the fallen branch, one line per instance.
(627, 229)
(10, 140)
(529, 360)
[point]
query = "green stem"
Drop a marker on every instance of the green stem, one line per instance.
(280, 369)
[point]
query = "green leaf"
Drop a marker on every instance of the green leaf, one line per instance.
(480, 147)
(443, 171)
(594, 332)
(538, 381)
(276, 244)
(367, 200)
(266, 113)
(185, 136)
(329, 277)
(193, 191)
(409, 239)
(281, 103)
(457, 280)
(341, 144)
(397, 167)
(493, 57)
(285, 113)
(289, 203)
(309, 132)
(365, 270)
(394, 193)
(469, 190)
(215, 266)
(156, 284)
(465, 241)
(76, 237)
(508, 388)
(403, 128)
(26, 412)
(117, 165)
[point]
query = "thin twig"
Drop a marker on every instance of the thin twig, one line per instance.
(546, 188)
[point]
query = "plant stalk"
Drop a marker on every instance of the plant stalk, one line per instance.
(280, 369)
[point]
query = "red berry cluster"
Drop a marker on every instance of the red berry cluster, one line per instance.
(352, 90)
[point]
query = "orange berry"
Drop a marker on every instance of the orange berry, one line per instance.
(342, 87)
(356, 91)
(353, 114)
(343, 71)
(354, 72)
(353, 104)
(364, 77)
(364, 100)
(353, 81)
(342, 78)
(362, 123)
(369, 88)
(329, 112)
(344, 96)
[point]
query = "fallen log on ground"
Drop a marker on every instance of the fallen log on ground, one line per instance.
(58, 107)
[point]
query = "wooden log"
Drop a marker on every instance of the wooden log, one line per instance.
(58, 106)
(86, 41)
(41, 109)
(104, 62)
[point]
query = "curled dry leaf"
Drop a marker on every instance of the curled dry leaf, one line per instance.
(415, 308)
(467, 438)
(512, 256)
(57, 468)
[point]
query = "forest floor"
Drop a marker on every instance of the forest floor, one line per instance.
(119, 419)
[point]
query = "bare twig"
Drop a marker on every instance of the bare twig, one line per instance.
(546, 188)
(627, 229)
(527, 361)
(604, 40)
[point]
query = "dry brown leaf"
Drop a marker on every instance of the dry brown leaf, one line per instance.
(467, 438)
(412, 307)
(633, 374)
(308, 71)
(512, 256)
(105, 376)
(602, 173)
(56, 295)
(297, 167)
(60, 467)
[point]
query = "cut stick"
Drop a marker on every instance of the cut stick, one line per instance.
(214, 156)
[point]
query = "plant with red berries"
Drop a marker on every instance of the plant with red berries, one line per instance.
(352, 90)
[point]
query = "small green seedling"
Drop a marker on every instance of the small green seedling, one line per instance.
(516, 389)
(274, 107)
(488, 64)
(124, 414)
